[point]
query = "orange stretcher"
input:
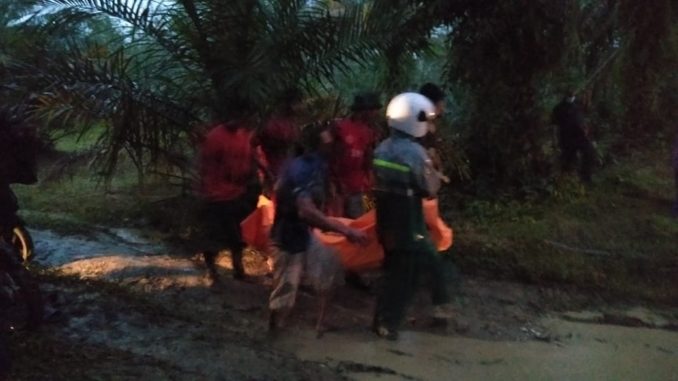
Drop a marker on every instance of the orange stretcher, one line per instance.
(257, 226)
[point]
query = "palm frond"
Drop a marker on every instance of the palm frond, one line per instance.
(82, 91)
(147, 19)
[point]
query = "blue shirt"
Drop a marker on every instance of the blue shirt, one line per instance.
(416, 175)
(306, 176)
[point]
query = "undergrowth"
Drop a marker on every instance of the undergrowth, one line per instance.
(616, 235)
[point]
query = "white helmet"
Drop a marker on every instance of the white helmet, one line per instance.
(410, 113)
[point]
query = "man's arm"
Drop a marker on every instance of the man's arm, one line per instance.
(425, 175)
(314, 217)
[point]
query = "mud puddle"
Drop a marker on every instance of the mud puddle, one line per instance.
(56, 250)
(162, 309)
(574, 351)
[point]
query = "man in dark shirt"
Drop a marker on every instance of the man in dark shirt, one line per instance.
(573, 137)
(296, 252)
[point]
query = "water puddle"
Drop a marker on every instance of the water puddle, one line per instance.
(56, 250)
(575, 351)
(584, 345)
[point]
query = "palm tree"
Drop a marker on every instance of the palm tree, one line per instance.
(169, 66)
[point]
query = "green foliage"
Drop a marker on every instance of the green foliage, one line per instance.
(651, 58)
(489, 58)
(155, 72)
(617, 236)
(151, 74)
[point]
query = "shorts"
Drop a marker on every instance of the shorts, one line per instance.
(319, 266)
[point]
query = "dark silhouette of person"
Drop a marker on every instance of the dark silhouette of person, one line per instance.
(573, 138)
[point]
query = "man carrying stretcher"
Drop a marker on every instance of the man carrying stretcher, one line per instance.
(296, 252)
(405, 176)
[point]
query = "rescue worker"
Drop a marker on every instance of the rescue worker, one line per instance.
(352, 160)
(280, 135)
(404, 176)
(296, 252)
(573, 137)
(229, 187)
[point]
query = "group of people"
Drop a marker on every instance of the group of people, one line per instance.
(340, 164)
(343, 164)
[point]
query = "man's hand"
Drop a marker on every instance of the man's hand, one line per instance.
(314, 217)
(356, 236)
(443, 177)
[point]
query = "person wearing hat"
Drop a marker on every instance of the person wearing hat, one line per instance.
(351, 162)
(404, 176)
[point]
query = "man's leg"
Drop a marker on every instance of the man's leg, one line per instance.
(234, 213)
(287, 272)
(399, 284)
(324, 271)
(433, 264)
(588, 158)
(210, 258)
(210, 215)
(240, 209)
(568, 158)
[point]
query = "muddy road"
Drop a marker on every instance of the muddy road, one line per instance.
(143, 310)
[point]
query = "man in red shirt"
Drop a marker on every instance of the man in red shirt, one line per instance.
(352, 160)
(280, 135)
(229, 188)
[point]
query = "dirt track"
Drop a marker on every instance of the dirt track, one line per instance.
(153, 309)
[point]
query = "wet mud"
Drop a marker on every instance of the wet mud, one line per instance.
(121, 290)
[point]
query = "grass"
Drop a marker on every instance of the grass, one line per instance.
(76, 142)
(616, 237)
(73, 203)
